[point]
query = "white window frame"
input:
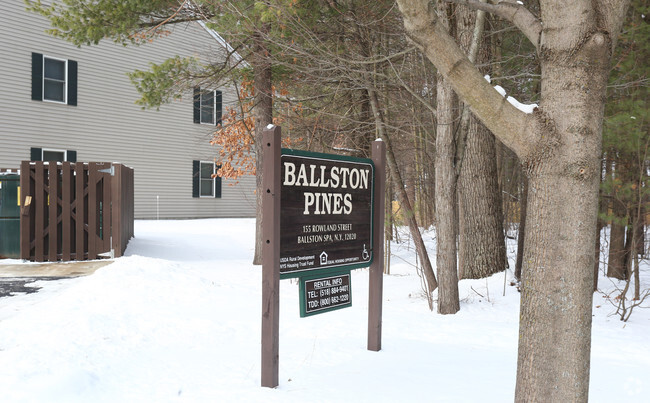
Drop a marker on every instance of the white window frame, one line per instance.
(214, 107)
(65, 83)
(211, 177)
(53, 150)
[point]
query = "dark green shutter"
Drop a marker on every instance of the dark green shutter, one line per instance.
(72, 156)
(196, 169)
(36, 154)
(197, 105)
(218, 96)
(72, 83)
(217, 184)
(37, 76)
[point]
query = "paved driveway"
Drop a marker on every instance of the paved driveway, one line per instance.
(17, 278)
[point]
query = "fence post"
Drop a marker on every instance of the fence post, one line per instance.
(81, 180)
(66, 207)
(40, 205)
(128, 206)
(92, 210)
(117, 230)
(51, 223)
(106, 211)
(25, 209)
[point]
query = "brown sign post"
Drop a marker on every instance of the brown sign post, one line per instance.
(270, 255)
(322, 216)
(376, 275)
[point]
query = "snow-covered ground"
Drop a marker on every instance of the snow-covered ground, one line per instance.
(178, 319)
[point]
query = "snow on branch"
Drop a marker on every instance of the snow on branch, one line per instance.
(510, 125)
(526, 108)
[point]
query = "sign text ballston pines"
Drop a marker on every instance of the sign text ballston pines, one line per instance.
(326, 212)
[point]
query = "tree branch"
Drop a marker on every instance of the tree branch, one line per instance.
(517, 14)
(612, 14)
(513, 127)
(474, 45)
(414, 94)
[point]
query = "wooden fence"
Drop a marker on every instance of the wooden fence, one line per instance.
(75, 211)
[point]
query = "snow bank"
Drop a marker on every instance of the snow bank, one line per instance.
(178, 319)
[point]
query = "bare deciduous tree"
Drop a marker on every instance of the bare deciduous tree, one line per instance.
(559, 145)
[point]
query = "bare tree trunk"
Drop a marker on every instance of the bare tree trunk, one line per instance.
(407, 210)
(388, 223)
(637, 218)
(448, 299)
(446, 183)
(558, 277)
(559, 145)
(616, 267)
(388, 233)
(409, 182)
(263, 115)
(637, 278)
(603, 206)
(481, 241)
(629, 247)
(599, 227)
(640, 228)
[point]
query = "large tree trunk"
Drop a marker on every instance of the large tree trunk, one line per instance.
(557, 278)
(559, 145)
(263, 115)
(448, 299)
(446, 184)
(557, 284)
(481, 241)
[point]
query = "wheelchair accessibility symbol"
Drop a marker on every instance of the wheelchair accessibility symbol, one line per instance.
(365, 255)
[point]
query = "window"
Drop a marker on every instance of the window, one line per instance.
(206, 186)
(54, 80)
(203, 184)
(48, 154)
(207, 106)
(53, 155)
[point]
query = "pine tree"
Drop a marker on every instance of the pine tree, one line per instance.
(626, 144)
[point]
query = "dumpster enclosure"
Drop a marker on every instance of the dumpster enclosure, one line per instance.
(74, 211)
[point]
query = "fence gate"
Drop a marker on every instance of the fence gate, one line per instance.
(66, 210)
(9, 214)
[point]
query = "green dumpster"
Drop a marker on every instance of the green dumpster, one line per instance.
(9, 215)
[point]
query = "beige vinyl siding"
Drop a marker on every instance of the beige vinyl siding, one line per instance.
(106, 124)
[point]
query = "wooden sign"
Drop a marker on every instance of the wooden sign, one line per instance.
(319, 223)
(326, 212)
(324, 294)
